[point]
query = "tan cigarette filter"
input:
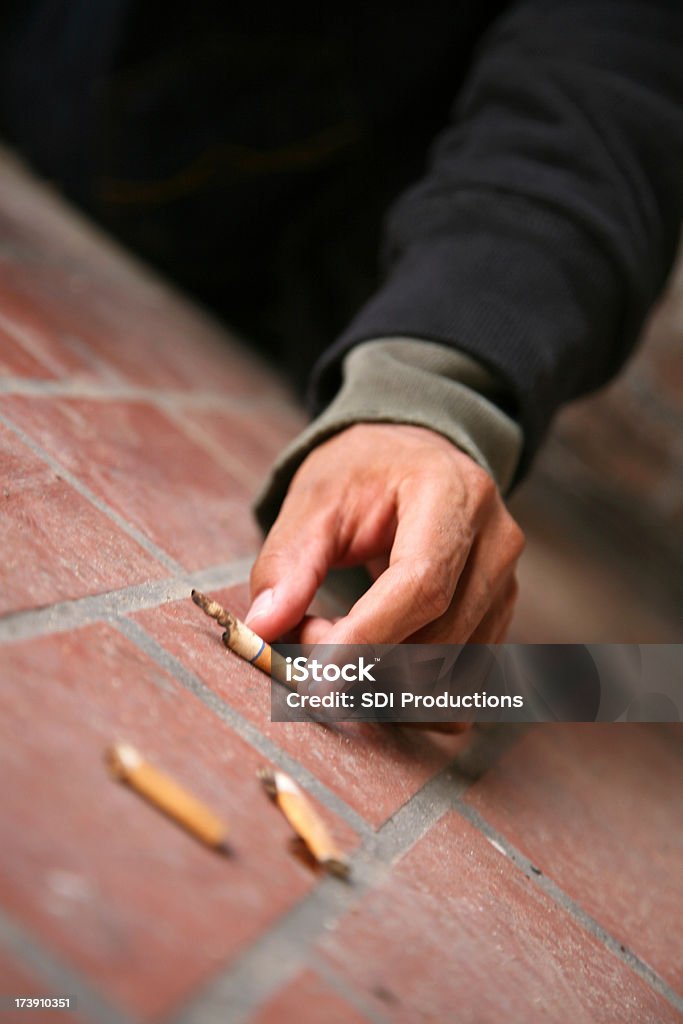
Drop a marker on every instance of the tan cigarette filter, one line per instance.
(305, 821)
(243, 641)
(128, 766)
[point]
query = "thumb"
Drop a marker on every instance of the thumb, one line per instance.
(292, 564)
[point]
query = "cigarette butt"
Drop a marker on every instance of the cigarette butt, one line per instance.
(305, 821)
(242, 640)
(128, 766)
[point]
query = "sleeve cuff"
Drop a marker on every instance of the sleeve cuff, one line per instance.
(405, 380)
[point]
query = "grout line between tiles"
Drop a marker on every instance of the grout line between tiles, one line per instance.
(91, 1007)
(130, 531)
(276, 957)
(97, 391)
(574, 909)
(65, 615)
(244, 728)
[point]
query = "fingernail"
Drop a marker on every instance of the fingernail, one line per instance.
(260, 606)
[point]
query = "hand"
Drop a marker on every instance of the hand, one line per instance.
(425, 518)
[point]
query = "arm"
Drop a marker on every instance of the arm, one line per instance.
(536, 244)
(548, 221)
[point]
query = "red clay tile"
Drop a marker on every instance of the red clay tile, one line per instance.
(254, 436)
(121, 893)
(598, 808)
(55, 545)
(102, 327)
(27, 321)
(457, 933)
(17, 982)
(375, 769)
(98, 312)
(131, 455)
(16, 360)
(308, 1000)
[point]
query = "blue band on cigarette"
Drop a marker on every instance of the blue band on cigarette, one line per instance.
(258, 653)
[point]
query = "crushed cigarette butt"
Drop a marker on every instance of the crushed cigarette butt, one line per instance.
(305, 820)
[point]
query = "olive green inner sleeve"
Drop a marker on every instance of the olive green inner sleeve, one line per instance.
(404, 380)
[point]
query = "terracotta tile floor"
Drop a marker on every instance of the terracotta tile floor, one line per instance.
(508, 876)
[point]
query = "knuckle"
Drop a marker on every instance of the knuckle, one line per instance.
(489, 488)
(307, 485)
(512, 539)
(357, 634)
(432, 588)
(485, 489)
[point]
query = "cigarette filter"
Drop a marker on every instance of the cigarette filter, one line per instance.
(128, 766)
(305, 821)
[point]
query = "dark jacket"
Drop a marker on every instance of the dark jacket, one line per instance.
(254, 152)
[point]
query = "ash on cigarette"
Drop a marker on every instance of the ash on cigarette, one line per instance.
(214, 610)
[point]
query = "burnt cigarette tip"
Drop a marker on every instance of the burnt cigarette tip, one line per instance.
(225, 848)
(338, 867)
(206, 604)
(267, 779)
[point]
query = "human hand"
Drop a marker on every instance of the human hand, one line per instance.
(425, 518)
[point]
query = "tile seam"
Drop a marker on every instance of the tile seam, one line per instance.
(244, 728)
(341, 987)
(640, 967)
(241, 473)
(82, 611)
(279, 954)
(127, 528)
(91, 1006)
(30, 387)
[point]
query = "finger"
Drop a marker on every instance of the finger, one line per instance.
(449, 727)
(485, 586)
(292, 564)
(314, 628)
(428, 554)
